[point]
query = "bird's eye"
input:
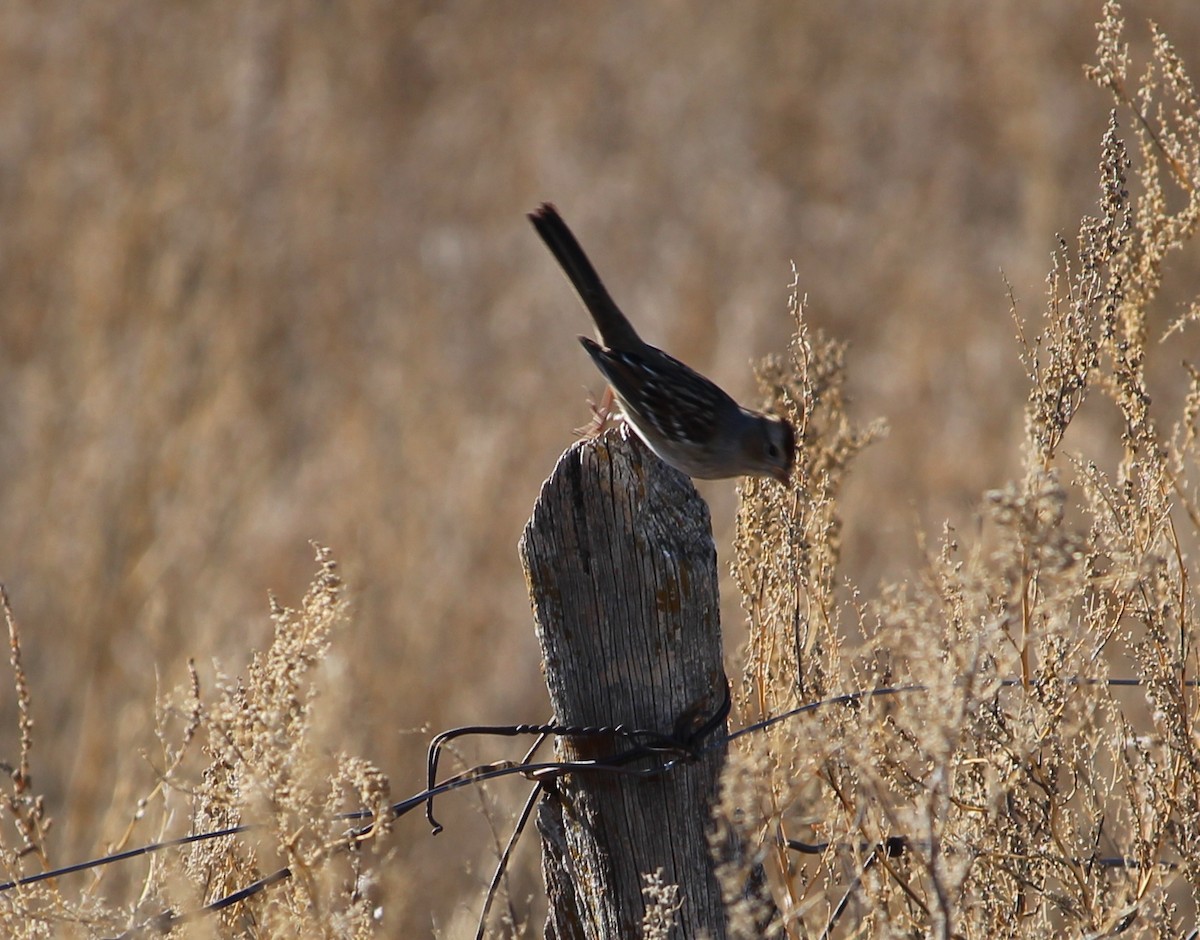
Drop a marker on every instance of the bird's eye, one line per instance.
(772, 449)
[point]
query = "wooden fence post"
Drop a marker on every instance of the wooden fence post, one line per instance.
(621, 567)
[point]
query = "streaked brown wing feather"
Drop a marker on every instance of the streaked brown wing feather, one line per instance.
(676, 399)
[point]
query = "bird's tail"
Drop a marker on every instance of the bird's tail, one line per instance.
(615, 331)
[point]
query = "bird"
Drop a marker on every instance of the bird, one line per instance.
(686, 419)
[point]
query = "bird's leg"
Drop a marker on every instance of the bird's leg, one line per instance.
(602, 411)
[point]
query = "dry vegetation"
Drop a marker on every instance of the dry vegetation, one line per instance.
(267, 280)
(1036, 799)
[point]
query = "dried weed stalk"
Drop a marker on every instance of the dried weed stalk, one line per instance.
(262, 768)
(265, 768)
(31, 912)
(1034, 798)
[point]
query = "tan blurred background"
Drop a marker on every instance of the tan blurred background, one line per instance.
(266, 278)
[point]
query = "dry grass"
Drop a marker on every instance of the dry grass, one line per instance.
(267, 279)
(1005, 759)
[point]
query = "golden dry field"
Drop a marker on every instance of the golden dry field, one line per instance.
(267, 279)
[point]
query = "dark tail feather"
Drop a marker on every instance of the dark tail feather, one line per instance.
(615, 331)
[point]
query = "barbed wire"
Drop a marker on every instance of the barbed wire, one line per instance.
(691, 739)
